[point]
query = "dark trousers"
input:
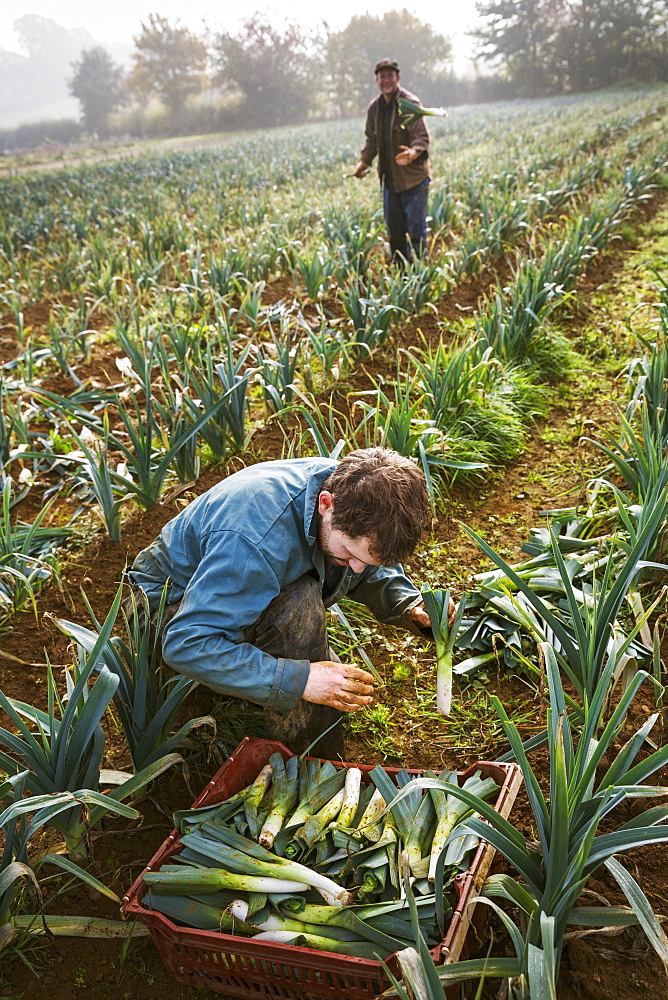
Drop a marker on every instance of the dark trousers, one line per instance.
(406, 219)
(294, 625)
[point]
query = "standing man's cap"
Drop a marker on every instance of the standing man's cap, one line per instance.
(387, 64)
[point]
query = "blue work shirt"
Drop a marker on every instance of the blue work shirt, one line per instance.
(228, 554)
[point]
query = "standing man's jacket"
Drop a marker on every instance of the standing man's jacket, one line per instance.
(415, 135)
(228, 554)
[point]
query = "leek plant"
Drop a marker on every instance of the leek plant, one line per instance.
(248, 858)
(20, 820)
(327, 428)
(250, 306)
(234, 379)
(147, 459)
(514, 325)
(651, 374)
(399, 422)
(183, 340)
(96, 478)
(584, 637)
(27, 552)
(14, 424)
(285, 793)
(177, 411)
(325, 927)
(64, 754)
(254, 797)
(469, 391)
(443, 207)
(371, 318)
(329, 357)
(450, 812)
(410, 112)
(637, 456)
(145, 699)
(210, 378)
(437, 603)
(571, 848)
(413, 289)
(278, 362)
(315, 270)
(226, 272)
(352, 244)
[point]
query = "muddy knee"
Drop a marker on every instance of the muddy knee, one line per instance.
(294, 625)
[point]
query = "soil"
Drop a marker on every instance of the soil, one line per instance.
(505, 505)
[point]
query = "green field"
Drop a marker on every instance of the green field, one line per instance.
(169, 316)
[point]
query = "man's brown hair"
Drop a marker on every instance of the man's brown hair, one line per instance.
(382, 496)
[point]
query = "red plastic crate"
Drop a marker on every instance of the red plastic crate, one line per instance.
(241, 967)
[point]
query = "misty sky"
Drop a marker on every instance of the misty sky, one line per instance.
(119, 21)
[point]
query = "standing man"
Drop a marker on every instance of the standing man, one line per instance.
(251, 565)
(403, 163)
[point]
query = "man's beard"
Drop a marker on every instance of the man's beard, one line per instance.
(323, 542)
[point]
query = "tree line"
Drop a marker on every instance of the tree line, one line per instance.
(263, 74)
(558, 46)
(268, 75)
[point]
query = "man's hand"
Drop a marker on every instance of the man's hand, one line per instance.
(361, 170)
(421, 618)
(406, 156)
(340, 685)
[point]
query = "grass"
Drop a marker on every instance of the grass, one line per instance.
(373, 724)
(404, 715)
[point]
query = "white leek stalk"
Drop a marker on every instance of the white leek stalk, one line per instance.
(261, 862)
(314, 825)
(285, 790)
(451, 811)
(437, 603)
(416, 845)
(254, 798)
(360, 949)
(371, 813)
(351, 798)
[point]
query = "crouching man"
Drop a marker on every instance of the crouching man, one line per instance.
(252, 565)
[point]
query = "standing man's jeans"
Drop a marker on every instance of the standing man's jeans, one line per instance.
(406, 215)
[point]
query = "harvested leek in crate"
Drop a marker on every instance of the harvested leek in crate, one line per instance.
(342, 841)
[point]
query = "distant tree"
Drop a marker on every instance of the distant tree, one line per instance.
(547, 46)
(34, 85)
(611, 41)
(519, 36)
(97, 84)
(272, 67)
(350, 56)
(169, 63)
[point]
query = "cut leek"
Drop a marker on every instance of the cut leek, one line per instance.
(414, 111)
(437, 603)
